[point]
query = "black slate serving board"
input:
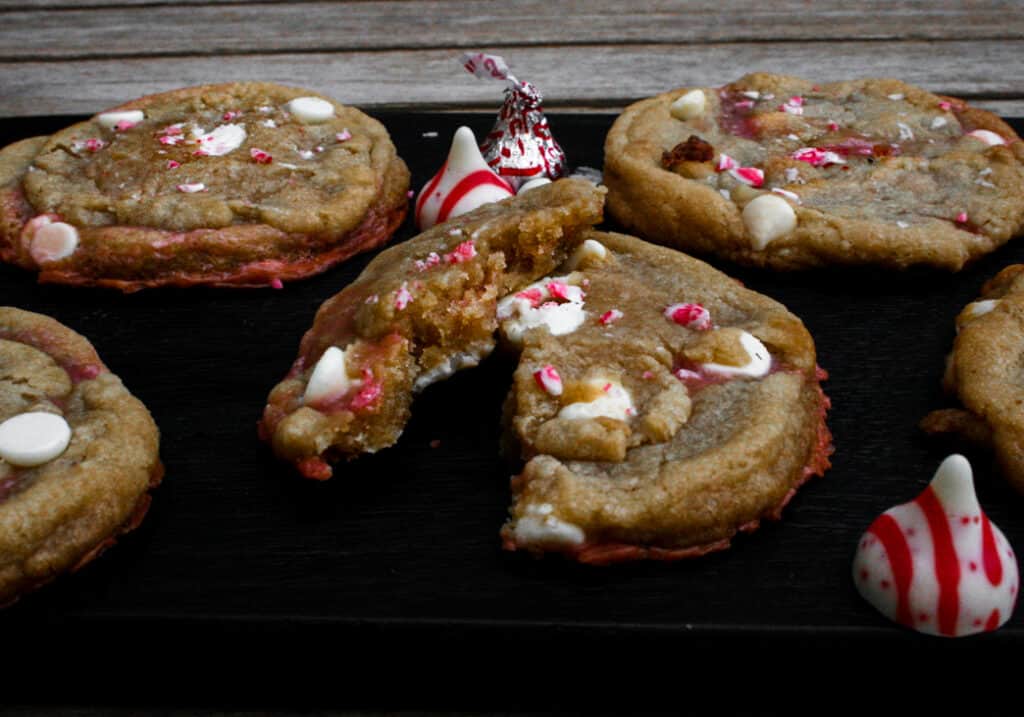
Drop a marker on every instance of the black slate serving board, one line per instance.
(396, 561)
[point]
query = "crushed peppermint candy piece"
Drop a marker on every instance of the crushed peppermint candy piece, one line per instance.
(432, 260)
(306, 154)
(792, 196)
(565, 292)
(191, 187)
(269, 123)
(833, 126)
(402, 297)
(896, 97)
(793, 106)
(549, 380)
(276, 283)
(692, 316)
(171, 164)
(792, 174)
(945, 106)
(817, 157)
(92, 144)
(744, 104)
(230, 115)
(260, 157)
(463, 252)
(906, 134)
(748, 175)
(372, 299)
(685, 374)
(961, 218)
(124, 125)
(534, 296)
(369, 394)
(343, 136)
(610, 317)
(751, 94)
(647, 375)
(725, 163)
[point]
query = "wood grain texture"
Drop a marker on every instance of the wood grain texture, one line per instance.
(317, 27)
(579, 75)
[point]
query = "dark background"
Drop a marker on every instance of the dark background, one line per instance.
(318, 593)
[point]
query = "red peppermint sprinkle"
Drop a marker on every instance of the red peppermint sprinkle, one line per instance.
(817, 157)
(463, 252)
(94, 145)
(685, 374)
(200, 153)
(692, 316)
(369, 394)
(276, 283)
(260, 157)
(230, 115)
(432, 260)
(961, 218)
(534, 296)
(549, 380)
(833, 126)
(748, 175)
(402, 297)
(124, 125)
(343, 136)
(168, 139)
(410, 194)
(647, 375)
(744, 104)
(610, 317)
(725, 163)
(945, 106)
(171, 164)
(559, 290)
(606, 388)
(796, 101)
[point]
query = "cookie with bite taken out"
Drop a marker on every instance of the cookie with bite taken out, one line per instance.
(78, 453)
(240, 184)
(781, 172)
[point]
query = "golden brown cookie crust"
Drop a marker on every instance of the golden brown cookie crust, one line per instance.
(984, 373)
(318, 194)
(58, 516)
(938, 199)
(742, 448)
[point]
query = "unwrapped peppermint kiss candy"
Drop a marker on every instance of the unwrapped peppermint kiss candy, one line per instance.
(464, 183)
(519, 147)
(936, 564)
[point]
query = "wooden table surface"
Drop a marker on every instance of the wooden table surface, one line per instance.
(65, 57)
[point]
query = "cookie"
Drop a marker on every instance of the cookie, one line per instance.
(419, 312)
(659, 405)
(982, 373)
(78, 453)
(242, 184)
(781, 172)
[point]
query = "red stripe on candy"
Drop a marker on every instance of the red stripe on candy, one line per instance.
(993, 621)
(466, 185)
(429, 189)
(888, 532)
(990, 553)
(947, 564)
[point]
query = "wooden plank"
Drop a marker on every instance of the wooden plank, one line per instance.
(569, 76)
(320, 26)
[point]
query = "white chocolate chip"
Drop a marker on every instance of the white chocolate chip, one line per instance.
(689, 106)
(329, 378)
(767, 218)
(53, 242)
(973, 310)
(759, 365)
(310, 110)
(613, 401)
(31, 439)
(111, 119)
(540, 528)
(533, 184)
(989, 138)
(588, 253)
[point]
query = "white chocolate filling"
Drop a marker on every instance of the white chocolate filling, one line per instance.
(443, 370)
(767, 218)
(689, 106)
(518, 314)
(31, 439)
(112, 119)
(310, 110)
(329, 378)
(588, 253)
(613, 402)
(53, 241)
(759, 365)
(542, 529)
